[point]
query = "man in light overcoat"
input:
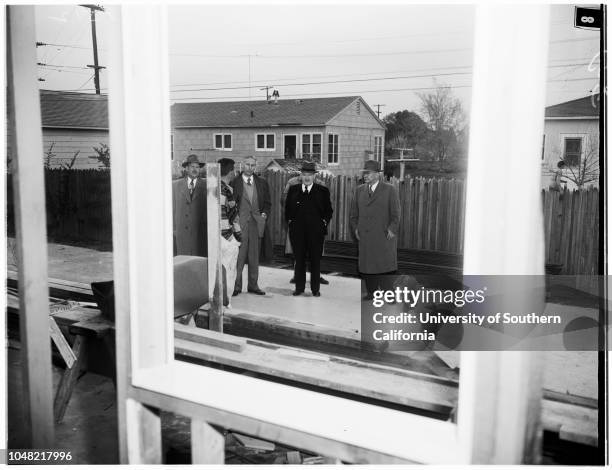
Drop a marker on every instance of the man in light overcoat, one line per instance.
(374, 219)
(189, 210)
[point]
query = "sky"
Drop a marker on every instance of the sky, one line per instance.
(385, 53)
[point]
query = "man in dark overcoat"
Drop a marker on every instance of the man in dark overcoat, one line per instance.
(189, 210)
(374, 220)
(252, 196)
(308, 211)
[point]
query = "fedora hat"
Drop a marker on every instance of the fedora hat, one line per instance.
(371, 165)
(308, 167)
(192, 159)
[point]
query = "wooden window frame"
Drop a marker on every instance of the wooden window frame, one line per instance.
(265, 149)
(494, 409)
(583, 144)
(223, 148)
(337, 154)
(311, 134)
(378, 149)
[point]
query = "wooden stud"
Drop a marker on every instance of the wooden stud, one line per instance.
(215, 273)
(143, 434)
(207, 445)
(30, 224)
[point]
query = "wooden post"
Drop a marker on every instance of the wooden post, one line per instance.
(503, 227)
(30, 223)
(143, 434)
(207, 445)
(215, 273)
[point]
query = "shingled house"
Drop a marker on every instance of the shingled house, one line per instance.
(339, 133)
(71, 123)
(571, 134)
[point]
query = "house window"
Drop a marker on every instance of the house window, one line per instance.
(265, 142)
(378, 148)
(572, 151)
(311, 147)
(332, 148)
(223, 141)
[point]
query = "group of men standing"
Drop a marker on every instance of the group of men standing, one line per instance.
(245, 208)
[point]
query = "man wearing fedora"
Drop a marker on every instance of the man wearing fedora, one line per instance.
(252, 196)
(374, 221)
(308, 211)
(189, 210)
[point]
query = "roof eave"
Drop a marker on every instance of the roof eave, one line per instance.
(568, 118)
(75, 128)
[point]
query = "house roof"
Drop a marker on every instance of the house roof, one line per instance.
(73, 110)
(582, 107)
(301, 112)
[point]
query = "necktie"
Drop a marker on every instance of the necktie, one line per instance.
(249, 181)
(370, 190)
(191, 187)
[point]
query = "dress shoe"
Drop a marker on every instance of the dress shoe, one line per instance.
(297, 292)
(316, 294)
(257, 292)
(323, 281)
(235, 293)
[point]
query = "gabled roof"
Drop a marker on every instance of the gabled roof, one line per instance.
(73, 110)
(301, 112)
(582, 107)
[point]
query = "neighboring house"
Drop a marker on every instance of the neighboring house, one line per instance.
(339, 133)
(72, 122)
(571, 134)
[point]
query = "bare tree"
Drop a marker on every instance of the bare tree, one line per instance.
(49, 156)
(586, 168)
(103, 155)
(445, 119)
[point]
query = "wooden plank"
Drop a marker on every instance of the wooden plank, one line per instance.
(69, 378)
(215, 274)
(97, 327)
(209, 337)
(348, 376)
(143, 433)
(253, 443)
(573, 422)
(30, 225)
(60, 342)
(207, 445)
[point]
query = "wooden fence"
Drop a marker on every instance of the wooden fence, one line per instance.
(78, 208)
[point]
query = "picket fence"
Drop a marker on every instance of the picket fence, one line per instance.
(432, 214)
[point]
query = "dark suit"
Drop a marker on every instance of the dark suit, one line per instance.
(189, 218)
(248, 212)
(308, 215)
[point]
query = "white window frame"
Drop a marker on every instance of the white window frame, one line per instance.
(583, 136)
(378, 149)
(265, 149)
(150, 378)
(311, 134)
(337, 136)
(223, 148)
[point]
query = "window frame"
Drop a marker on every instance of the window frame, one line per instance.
(149, 376)
(337, 153)
(223, 148)
(265, 135)
(583, 142)
(378, 149)
(311, 135)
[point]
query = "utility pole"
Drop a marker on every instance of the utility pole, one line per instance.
(267, 94)
(378, 109)
(95, 65)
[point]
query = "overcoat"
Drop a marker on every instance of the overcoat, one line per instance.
(265, 205)
(372, 216)
(189, 218)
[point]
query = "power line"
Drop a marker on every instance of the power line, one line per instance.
(259, 83)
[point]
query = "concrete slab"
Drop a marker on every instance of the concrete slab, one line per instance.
(338, 307)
